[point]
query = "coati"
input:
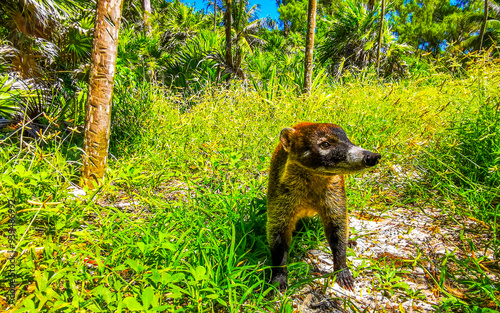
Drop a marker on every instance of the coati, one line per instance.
(305, 178)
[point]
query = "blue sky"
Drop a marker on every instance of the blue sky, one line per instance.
(267, 8)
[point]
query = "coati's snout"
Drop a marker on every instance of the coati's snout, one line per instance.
(326, 149)
(370, 158)
(359, 158)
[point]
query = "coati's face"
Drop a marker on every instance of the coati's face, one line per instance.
(325, 149)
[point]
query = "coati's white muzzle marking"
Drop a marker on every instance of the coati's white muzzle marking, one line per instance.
(355, 155)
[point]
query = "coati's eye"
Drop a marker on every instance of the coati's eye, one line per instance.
(325, 145)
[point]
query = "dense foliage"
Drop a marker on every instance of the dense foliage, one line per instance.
(179, 223)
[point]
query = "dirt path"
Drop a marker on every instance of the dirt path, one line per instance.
(396, 254)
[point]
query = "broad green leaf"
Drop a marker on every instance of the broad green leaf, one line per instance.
(147, 297)
(155, 276)
(132, 304)
(168, 245)
(161, 308)
(133, 264)
(94, 308)
(41, 280)
(142, 246)
(8, 180)
(29, 304)
(102, 291)
(200, 273)
(167, 278)
(20, 169)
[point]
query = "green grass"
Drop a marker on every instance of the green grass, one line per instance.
(179, 224)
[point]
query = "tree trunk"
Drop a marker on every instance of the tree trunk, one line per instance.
(371, 5)
(483, 26)
(286, 28)
(286, 24)
(380, 33)
(308, 64)
(146, 7)
(227, 21)
(98, 109)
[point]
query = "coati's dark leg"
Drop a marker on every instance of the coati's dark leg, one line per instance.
(279, 237)
(279, 254)
(336, 233)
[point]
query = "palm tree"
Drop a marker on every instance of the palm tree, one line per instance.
(146, 7)
(488, 23)
(98, 112)
(286, 24)
(381, 29)
(371, 5)
(308, 59)
(45, 45)
(247, 25)
(351, 40)
(483, 26)
(215, 6)
(227, 22)
(37, 35)
(242, 26)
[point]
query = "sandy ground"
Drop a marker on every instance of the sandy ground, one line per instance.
(395, 240)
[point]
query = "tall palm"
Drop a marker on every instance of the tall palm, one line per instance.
(308, 58)
(146, 7)
(351, 40)
(46, 42)
(483, 25)
(242, 26)
(98, 112)
(178, 17)
(286, 24)
(38, 33)
(227, 27)
(247, 26)
(482, 29)
(216, 7)
(380, 32)
(179, 24)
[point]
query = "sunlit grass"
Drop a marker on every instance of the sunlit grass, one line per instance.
(179, 224)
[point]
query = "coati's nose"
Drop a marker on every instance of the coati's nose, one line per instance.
(371, 159)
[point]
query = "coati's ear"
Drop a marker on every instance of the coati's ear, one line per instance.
(285, 137)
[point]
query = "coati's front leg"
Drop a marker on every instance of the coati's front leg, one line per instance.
(279, 235)
(336, 234)
(280, 246)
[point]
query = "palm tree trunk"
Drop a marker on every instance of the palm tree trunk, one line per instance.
(146, 7)
(371, 5)
(380, 33)
(311, 25)
(286, 28)
(227, 21)
(286, 24)
(98, 109)
(483, 26)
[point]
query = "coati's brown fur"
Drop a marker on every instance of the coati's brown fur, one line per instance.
(306, 178)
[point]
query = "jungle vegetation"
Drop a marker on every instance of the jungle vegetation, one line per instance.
(199, 97)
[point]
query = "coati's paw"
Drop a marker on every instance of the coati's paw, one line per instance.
(344, 279)
(280, 281)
